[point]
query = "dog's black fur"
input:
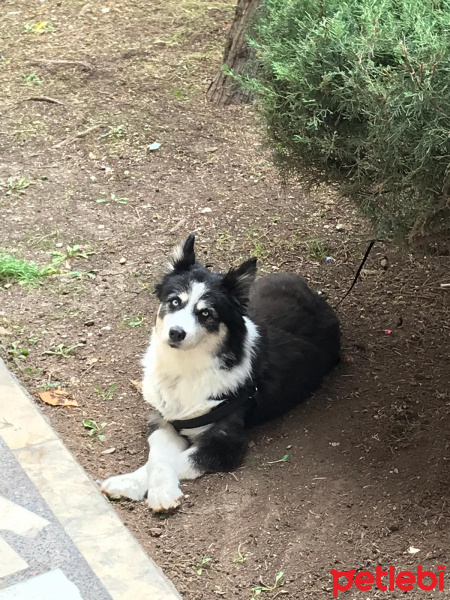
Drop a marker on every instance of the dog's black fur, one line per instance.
(300, 343)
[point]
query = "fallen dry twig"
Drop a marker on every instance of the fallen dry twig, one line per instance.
(43, 99)
(80, 134)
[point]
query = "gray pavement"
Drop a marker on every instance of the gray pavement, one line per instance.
(42, 546)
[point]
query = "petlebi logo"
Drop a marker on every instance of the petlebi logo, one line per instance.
(388, 580)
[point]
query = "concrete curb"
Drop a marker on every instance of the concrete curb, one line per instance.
(86, 516)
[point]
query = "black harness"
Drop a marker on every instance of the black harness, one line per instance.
(243, 398)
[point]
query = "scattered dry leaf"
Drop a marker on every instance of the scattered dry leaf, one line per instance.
(156, 532)
(57, 398)
(137, 384)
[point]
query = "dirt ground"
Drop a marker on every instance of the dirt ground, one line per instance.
(369, 456)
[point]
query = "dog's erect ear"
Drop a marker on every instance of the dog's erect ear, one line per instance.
(183, 256)
(238, 281)
(182, 259)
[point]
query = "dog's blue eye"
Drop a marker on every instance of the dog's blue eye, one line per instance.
(174, 302)
(205, 313)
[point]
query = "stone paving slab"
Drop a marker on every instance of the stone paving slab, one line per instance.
(53, 585)
(32, 536)
(57, 526)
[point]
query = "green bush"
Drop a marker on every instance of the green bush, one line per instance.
(361, 89)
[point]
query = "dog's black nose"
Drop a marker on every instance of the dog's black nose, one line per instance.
(177, 334)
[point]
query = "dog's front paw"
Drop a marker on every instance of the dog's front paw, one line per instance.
(131, 485)
(164, 499)
(164, 492)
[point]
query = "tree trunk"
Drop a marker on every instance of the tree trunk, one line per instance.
(224, 89)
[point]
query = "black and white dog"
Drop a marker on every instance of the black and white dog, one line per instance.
(226, 353)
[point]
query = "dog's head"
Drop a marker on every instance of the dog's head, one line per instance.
(199, 307)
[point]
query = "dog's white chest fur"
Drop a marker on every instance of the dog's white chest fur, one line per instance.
(182, 385)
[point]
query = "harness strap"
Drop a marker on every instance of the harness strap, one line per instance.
(243, 399)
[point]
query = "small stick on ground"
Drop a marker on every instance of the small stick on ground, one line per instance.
(47, 61)
(80, 134)
(43, 99)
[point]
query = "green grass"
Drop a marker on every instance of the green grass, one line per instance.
(114, 198)
(16, 186)
(224, 239)
(259, 589)
(30, 79)
(75, 251)
(134, 321)
(202, 564)
(15, 270)
(41, 27)
(15, 350)
(106, 394)
(115, 133)
(259, 250)
(317, 249)
(61, 350)
(240, 558)
(45, 386)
